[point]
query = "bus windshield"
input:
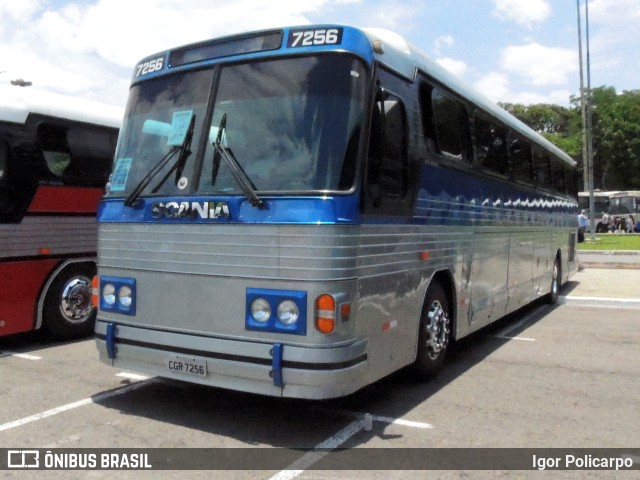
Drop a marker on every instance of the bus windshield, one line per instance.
(292, 125)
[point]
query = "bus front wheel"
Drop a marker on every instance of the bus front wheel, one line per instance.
(68, 311)
(435, 332)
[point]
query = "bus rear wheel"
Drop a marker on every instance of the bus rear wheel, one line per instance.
(434, 334)
(68, 311)
(556, 282)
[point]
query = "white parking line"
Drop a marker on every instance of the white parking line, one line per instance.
(390, 420)
(132, 376)
(24, 356)
(504, 333)
(303, 463)
(524, 339)
(70, 406)
(322, 449)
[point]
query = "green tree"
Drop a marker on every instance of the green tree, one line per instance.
(616, 139)
(615, 133)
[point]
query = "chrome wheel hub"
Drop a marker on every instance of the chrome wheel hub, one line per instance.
(437, 328)
(75, 302)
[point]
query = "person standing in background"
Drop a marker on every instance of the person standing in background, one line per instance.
(583, 222)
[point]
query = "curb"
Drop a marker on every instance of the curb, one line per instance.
(609, 258)
(633, 303)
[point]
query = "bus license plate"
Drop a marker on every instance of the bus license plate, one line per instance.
(187, 366)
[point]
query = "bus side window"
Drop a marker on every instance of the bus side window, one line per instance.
(451, 125)
(491, 144)
(557, 176)
(52, 140)
(91, 155)
(388, 164)
(541, 169)
(4, 160)
(519, 150)
(428, 119)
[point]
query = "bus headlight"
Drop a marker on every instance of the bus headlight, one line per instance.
(109, 294)
(118, 295)
(260, 310)
(124, 296)
(288, 312)
(276, 311)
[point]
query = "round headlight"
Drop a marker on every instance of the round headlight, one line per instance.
(124, 296)
(288, 312)
(260, 310)
(109, 294)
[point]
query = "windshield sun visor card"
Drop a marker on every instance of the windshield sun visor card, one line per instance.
(120, 174)
(179, 126)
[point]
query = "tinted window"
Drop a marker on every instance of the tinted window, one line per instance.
(520, 160)
(450, 124)
(541, 169)
(491, 145)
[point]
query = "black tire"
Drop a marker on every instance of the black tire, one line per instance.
(556, 282)
(68, 312)
(435, 332)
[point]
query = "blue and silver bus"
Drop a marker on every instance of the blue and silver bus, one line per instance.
(302, 211)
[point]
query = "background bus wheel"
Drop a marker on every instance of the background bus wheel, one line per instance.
(556, 279)
(435, 332)
(68, 312)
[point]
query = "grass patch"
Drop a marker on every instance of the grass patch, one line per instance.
(611, 241)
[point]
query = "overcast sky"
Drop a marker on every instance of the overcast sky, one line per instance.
(523, 51)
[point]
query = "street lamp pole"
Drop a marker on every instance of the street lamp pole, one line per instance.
(590, 129)
(587, 119)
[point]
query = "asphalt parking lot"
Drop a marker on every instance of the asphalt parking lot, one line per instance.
(566, 376)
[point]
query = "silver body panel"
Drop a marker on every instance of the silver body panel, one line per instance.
(192, 282)
(61, 235)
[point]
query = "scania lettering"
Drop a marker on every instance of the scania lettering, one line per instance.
(302, 211)
(202, 210)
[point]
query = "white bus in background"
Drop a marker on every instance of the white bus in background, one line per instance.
(55, 158)
(602, 201)
(625, 203)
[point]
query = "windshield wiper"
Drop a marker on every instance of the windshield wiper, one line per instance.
(178, 167)
(240, 176)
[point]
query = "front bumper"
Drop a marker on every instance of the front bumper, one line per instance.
(275, 369)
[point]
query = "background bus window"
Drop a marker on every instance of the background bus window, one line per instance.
(450, 118)
(77, 155)
(491, 143)
(520, 160)
(53, 142)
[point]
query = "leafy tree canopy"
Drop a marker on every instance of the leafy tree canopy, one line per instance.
(615, 132)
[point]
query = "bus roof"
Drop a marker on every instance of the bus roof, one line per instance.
(598, 193)
(626, 193)
(406, 59)
(387, 47)
(16, 103)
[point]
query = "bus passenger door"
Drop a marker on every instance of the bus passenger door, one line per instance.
(388, 309)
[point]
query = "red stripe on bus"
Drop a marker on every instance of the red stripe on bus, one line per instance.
(61, 199)
(22, 283)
